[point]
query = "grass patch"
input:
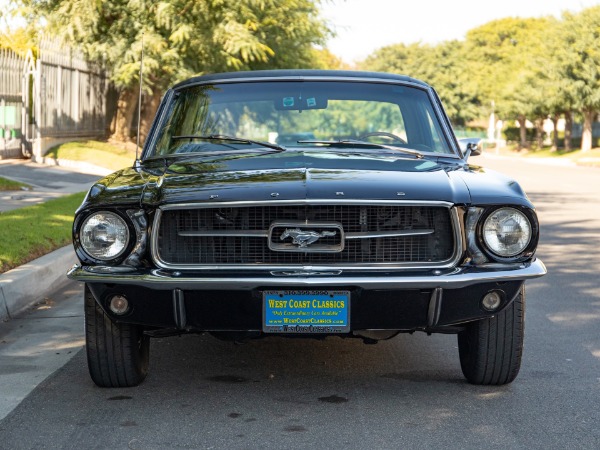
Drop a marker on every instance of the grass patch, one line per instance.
(30, 232)
(101, 154)
(10, 185)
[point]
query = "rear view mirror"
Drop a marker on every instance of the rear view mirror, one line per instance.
(470, 146)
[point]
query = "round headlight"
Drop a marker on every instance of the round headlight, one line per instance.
(507, 232)
(104, 236)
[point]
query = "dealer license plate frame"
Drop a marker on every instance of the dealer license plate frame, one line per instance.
(306, 318)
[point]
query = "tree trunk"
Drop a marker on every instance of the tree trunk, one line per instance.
(586, 136)
(126, 107)
(555, 118)
(523, 131)
(568, 130)
(149, 106)
(539, 133)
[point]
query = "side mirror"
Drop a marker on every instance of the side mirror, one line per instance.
(470, 147)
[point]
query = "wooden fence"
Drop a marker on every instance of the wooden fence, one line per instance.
(72, 91)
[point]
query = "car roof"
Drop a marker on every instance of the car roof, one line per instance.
(298, 74)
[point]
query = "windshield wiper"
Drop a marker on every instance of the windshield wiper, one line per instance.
(222, 137)
(414, 153)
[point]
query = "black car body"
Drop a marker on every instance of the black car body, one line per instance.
(370, 223)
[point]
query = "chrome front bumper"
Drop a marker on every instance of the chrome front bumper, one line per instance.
(161, 279)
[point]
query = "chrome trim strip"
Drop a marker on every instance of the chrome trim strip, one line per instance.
(156, 125)
(442, 118)
(304, 201)
(305, 273)
(167, 280)
(384, 234)
(453, 261)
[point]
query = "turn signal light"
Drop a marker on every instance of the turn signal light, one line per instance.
(491, 301)
(119, 305)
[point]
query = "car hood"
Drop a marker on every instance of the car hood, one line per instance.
(299, 175)
(310, 175)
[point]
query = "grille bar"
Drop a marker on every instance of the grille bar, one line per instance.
(265, 233)
(224, 233)
(384, 234)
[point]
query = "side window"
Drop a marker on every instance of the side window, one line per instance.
(436, 133)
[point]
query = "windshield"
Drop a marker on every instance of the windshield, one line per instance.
(294, 113)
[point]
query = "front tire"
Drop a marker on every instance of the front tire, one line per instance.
(490, 350)
(117, 353)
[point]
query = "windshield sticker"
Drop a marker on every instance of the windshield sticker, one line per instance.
(288, 102)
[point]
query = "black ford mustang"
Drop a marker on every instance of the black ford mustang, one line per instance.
(309, 203)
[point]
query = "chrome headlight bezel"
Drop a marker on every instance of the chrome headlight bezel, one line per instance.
(527, 248)
(87, 254)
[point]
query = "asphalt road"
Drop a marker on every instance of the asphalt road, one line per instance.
(404, 393)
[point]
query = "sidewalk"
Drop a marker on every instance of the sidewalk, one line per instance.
(36, 344)
(47, 182)
(23, 287)
(590, 161)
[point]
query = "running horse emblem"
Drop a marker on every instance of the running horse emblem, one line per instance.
(303, 238)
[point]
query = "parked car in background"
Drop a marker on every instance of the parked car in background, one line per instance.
(367, 223)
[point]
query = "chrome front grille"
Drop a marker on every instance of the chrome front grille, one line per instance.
(228, 236)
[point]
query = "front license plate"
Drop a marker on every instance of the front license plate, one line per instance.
(306, 311)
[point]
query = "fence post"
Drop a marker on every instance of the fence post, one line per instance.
(59, 100)
(37, 103)
(76, 106)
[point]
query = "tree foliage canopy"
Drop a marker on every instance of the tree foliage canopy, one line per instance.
(577, 64)
(519, 67)
(526, 68)
(182, 38)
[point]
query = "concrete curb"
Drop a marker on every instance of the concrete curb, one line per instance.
(28, 284)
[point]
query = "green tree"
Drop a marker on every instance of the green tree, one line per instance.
(504, 58)
(322, 58)
(13, 35)
(577, 66)
(182, 38)
(560, 97)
